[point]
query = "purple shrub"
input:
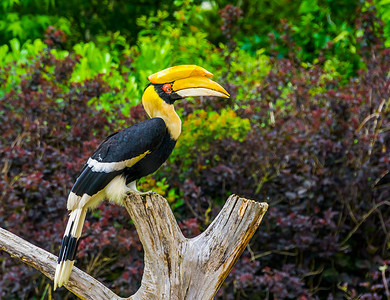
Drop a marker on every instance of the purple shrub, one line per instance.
(48, 132)
(318, 153)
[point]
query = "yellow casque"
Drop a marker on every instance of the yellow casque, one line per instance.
(178, 72)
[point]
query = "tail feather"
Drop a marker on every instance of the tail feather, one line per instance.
(69, 245)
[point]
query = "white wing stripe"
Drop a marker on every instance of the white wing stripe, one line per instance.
(108, 167)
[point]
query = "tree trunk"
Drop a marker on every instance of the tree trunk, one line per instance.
(175, 267)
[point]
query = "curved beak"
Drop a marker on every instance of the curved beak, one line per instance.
(198, 86)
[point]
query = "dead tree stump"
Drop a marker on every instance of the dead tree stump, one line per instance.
(175, 267)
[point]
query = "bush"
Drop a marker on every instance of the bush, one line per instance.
(301, 136)
(83, 21)
(318, 152)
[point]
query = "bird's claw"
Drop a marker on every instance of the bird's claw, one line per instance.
(148, 193)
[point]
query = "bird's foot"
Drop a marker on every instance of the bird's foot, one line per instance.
(148, 193)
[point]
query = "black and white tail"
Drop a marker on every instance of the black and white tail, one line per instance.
(69, 245)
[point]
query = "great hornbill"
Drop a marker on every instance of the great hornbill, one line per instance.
(126, 156)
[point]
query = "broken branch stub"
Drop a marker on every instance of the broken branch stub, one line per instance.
(181, 268)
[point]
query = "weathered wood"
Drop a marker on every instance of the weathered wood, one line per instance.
(180, 268)
(175, 267)
(80, 283)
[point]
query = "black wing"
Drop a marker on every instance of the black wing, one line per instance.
(117, 152)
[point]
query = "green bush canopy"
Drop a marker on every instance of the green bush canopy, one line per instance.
(307, 130)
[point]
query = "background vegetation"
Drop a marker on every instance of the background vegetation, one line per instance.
(307, 129)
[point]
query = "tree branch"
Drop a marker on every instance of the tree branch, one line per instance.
(80, 283)
(175, 267)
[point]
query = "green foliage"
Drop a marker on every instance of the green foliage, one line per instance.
(246, 70)
(383, 7)
(30, 24)
(16, 56)
(162, 44)
(81, 20)
(320, 30)
(201, 129)
(317, 24)
(163, 188)
(151, 54)
(20, 54)
(93, 62)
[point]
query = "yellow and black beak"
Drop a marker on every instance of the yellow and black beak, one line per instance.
(189, 80)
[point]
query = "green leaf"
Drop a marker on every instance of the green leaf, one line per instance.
(308, 6)
(3, 52)
(343, 35)
(12, 17)
(15, 45)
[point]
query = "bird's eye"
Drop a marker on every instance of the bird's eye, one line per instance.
(167, 88)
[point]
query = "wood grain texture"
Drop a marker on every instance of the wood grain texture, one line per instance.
(181, 268)
(175, 267)
(80, 283)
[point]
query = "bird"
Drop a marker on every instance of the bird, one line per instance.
(132, 153)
